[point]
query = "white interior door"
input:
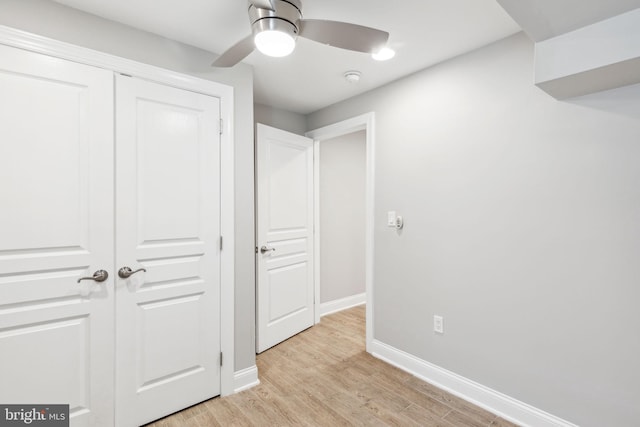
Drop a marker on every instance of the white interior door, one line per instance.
(285, 235)
(56, 226)
(168, 222)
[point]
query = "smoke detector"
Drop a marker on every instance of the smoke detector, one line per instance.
(352, 76)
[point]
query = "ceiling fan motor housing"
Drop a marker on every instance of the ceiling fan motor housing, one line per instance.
(284, 17)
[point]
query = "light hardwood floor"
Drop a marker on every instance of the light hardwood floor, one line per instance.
(324, 377)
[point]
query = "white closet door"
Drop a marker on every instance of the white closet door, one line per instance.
(56, 225)
(168, 222)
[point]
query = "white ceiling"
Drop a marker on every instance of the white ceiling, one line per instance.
(423, 33)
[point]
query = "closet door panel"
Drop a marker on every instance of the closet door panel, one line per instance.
(168, 223)
(56, 226)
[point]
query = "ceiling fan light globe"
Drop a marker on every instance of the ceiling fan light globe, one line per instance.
(274, 43)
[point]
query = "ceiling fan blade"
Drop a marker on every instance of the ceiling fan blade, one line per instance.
(235, 53)
(262, 4)
(343, 35)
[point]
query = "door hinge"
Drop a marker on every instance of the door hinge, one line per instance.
(221, 126)
(220, 358)
(220, 242)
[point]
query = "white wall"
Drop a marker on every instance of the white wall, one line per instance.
(280, 119)
(522, 229)
(342, 216)
(53, 20)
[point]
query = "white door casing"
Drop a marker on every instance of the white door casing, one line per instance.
(56, 225)
(285, 294)
(364, 122)
(168, 222)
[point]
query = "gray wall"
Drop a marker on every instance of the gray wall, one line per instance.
(342, 216)
(53, 20)
(280, 119)
(522, 229)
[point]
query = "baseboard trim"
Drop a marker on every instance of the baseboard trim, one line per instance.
(245, 379)
(342, 304)
(500, 404)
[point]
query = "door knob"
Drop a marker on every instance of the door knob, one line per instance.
(98, 276)
(126, 272)
(266, 249)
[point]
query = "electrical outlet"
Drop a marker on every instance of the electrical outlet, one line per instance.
(438, 324)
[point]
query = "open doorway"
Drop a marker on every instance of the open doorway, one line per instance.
(351, 129)
(341, 232)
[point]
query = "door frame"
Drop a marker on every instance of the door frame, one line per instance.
(35, 43)
(364, 122)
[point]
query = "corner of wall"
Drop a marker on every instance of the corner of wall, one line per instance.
(245, 379)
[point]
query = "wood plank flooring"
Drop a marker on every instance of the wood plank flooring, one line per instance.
(324, 377)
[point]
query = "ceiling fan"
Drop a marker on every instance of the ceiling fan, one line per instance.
(276, 24)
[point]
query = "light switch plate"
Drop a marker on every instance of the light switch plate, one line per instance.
(391, 218)
(438, 324)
